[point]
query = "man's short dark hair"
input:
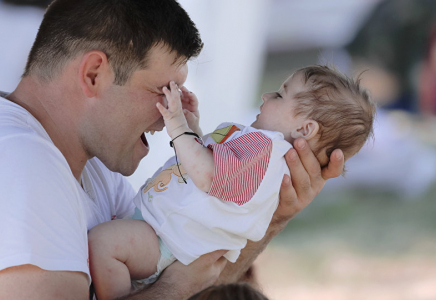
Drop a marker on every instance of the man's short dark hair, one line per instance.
(125, 30)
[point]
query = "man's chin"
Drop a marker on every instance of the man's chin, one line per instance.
(125, 169)
(129, 170)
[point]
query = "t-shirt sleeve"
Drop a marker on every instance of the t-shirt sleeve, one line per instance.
(42, 219)
(240, 166)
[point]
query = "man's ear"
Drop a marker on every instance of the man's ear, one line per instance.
(94, 73)
(307, 130)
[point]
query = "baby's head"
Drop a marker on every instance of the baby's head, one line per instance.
(322, 105)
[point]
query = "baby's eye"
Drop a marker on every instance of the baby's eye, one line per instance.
(278, 95)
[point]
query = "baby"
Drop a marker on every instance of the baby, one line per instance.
(225, 188)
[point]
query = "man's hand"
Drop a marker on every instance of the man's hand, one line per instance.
(307, 180)
(297, 191)
(180, 282)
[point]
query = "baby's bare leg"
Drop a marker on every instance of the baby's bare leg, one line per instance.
(118, 251)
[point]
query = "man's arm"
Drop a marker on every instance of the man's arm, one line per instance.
(177, 282)
(180, 282)
(297, 191)
(42, 285)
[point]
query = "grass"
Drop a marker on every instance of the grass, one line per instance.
(355, 245)
(367, 222)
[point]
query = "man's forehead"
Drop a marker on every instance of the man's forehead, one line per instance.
(179, 77)
(162, 55)
(160, 76)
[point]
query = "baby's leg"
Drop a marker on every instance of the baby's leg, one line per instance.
(120, 250)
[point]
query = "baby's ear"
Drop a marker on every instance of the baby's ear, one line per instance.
(307, 130)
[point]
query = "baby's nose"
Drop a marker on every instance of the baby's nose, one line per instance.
(264, 96)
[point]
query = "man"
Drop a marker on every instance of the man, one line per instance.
(76, 120)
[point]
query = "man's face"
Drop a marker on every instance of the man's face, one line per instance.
(114, 130)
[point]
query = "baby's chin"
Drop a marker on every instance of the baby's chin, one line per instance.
(255, 125)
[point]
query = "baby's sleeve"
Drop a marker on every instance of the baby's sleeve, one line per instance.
(240, 166)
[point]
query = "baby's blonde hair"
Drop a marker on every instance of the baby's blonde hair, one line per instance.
(343, 109)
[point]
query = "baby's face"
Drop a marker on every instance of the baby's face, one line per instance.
(277, 110)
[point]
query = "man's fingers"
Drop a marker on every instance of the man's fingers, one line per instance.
(218, 260)
(287, 198)
(308, 158)
(335, 166)
(299, 177)
(287, 191)
(212, 257)
(221, 263)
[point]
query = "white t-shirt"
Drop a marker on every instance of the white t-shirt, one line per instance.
(249, 168)
(45, 212)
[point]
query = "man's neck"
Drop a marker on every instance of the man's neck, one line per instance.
(54, 109)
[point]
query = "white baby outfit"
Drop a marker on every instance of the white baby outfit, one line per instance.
(249, 168)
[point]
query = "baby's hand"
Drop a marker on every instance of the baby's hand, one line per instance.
(174, 117)
(190, 109)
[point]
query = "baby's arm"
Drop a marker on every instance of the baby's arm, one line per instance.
(196, 159)
(119, 251)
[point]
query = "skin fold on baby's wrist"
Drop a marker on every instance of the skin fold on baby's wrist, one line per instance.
(179, 130)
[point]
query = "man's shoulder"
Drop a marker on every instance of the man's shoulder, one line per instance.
(24, 152)
(24, 141)
(16, 121)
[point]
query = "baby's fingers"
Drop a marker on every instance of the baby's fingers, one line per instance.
(163, 111)
(173, 97)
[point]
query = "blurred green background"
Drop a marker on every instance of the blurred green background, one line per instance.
(355, 244)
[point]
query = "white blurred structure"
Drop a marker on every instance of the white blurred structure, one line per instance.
(295, 24)
(18, 28)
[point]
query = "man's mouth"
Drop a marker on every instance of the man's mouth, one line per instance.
(144, 140)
